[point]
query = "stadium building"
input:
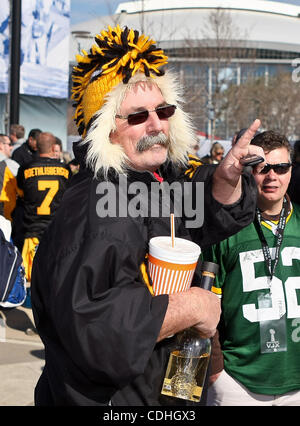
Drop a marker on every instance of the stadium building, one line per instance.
(211, 43)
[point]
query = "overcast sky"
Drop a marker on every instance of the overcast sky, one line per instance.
(84, 10)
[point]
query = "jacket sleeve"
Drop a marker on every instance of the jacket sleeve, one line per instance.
(103, 312)
(8, 194)
(221, 221)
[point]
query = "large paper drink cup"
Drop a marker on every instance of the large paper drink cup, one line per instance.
(172, 268)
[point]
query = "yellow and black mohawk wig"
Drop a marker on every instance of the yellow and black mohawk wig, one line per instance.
(116, 57)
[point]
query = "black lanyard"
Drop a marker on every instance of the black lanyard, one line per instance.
(280, 231)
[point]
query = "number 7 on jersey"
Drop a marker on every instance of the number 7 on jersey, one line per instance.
(53, 186)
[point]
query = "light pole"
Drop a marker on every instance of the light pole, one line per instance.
(211, 120)
(15, 55)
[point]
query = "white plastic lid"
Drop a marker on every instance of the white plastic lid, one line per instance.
(183, 252)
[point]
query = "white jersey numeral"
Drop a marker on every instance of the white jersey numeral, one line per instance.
(279, 307)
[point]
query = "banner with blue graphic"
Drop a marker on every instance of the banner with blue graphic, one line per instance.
(4, 45)
(44, 47)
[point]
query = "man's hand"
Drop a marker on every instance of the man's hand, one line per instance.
(243, 148)
(227, 188)
(210, 307)
(194, 307)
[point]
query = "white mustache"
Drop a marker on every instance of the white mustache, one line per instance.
(148, 141)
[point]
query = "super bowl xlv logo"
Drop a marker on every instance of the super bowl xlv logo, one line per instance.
(273, 343)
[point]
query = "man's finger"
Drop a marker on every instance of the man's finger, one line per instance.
(259, 167)
(245, 140)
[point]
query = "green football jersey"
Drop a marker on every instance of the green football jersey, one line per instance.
(243, 276)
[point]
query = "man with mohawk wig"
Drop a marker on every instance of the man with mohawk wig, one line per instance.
(106, 335)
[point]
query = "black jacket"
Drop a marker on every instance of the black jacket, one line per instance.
(92, 307)
(24, 154)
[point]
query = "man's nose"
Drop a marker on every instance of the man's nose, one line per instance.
(271, 175)
(154, 124)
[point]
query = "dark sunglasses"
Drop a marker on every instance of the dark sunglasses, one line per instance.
(279, 169)
(163, 113)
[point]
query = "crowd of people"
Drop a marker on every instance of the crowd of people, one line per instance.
(84, 241)
(34, 176)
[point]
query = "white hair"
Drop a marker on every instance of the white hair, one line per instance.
(102, 155)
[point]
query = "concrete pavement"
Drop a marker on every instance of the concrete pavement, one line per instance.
(21, 357)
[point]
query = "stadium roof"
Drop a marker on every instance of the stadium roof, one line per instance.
(263, 24)
(256, 5)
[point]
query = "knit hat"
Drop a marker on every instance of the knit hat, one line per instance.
(102, 77)
(116, 57)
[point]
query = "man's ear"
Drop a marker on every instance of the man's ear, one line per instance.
(112, 136)
(52, 150)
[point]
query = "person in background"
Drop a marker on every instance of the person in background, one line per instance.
(5, 147)
(23, 155)
(8, 183)
(258, 363)
(216, 154)
(28, 150)
(17, 135)
(107, 336)
(62, 156)
(43, 182)
(57, 149)
(12, 275)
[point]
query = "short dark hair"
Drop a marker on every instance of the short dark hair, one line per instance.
(58, 141)
(34, 133)
(240, 133)
(270, 140)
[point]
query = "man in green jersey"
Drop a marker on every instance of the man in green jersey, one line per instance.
(259, 281)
